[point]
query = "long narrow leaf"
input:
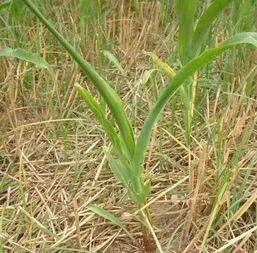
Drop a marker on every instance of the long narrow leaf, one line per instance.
(205, 22)
(99, 113)
(177, 81)
(88, 9)
(119, 170)
(111, 57)
(105, 214)
(185, 10)
(137, 189)
(111, 98)
(24, 55)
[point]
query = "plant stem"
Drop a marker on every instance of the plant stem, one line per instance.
(148, 243)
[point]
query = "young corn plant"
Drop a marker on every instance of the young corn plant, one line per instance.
(126, 159)
(193, 38)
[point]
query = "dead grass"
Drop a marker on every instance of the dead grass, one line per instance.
(52, 164)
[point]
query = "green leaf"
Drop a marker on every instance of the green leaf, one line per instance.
(109, 95)
(243, 15)
(187, 71)
(113, 60)
(100, 115)
(185, 10)
(120, 171)
(137, 189)
(88, 9)
(24, 55)
(5, 4)
(204, 23)
(145, 77)
(16, 8)
(105, 214)
(4, 184)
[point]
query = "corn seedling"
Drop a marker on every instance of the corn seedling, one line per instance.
(126, 159)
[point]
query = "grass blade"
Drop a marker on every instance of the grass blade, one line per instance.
(177, 81)
(185, 10)
(113, 60)
(111, 98)
(205, 22)
(99, 113)
(105, 214)
(24, 55)
(224, 183)
(243, 15)
(88, 9)
(120, 172)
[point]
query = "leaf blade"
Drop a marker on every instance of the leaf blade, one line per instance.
(204, 23)
(23, 55)
(105, 214)
(110, 96)
(181, 76)
(112, 58)
(185, 10)
(99, 113)
(120, 172)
